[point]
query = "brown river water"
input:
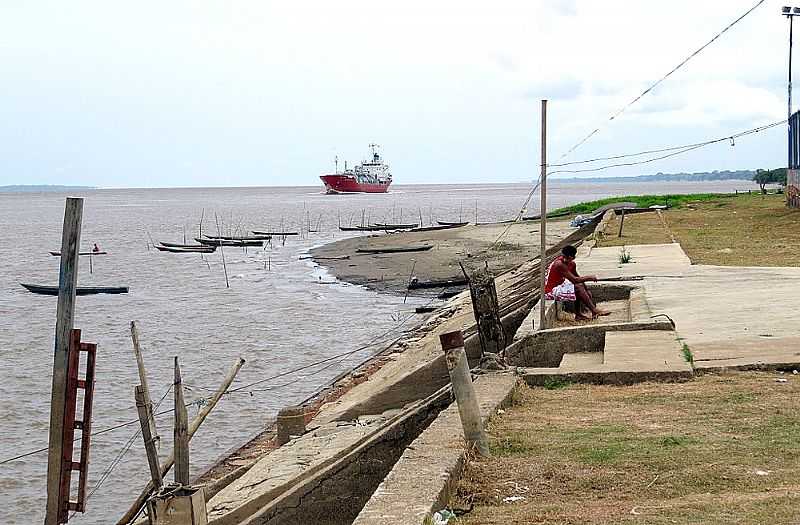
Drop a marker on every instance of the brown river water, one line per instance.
(278, 317)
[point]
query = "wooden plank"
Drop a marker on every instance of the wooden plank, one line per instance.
(149, 439)
(86, 424)
(134, 509)
(181, 431)
(137, 352)
(65, 312)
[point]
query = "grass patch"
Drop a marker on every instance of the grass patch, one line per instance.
(743, 230)
(722, 448)
(642, 201)
(688, 356)
(555, 383)
(625, 256)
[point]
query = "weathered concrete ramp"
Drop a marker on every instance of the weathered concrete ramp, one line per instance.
(421, 480)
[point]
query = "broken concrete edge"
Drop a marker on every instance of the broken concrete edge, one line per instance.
(434, 462)
(290, 495)
(545, 377)
(700, 367)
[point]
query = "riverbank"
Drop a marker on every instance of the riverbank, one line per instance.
(713, 449)
(500, 246)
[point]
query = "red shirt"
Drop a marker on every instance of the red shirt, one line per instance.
(555, 275)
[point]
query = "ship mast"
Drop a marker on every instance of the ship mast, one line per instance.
(375, 156)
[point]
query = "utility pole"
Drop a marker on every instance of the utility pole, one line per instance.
(65, 313)
(543, 220)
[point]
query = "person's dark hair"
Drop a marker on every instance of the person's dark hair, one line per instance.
(569, 251)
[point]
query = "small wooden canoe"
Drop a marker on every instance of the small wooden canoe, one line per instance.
(274, 234)
(436, 228)
(240, 238)
(223, 242)
(58, 254)
(194, 249)
(80, 290)
(384, 226)
(396, 249)
(178, 245)
(445, 283)
(446, 223)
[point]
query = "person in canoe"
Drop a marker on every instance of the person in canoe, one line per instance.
(96, 248)
(562, 283)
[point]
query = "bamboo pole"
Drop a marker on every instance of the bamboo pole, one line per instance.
(65, 313)
(142, 405)
(543, 221)
(222, 252)
(133, 511)
(181, 431)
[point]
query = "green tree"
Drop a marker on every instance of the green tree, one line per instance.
(764, 177)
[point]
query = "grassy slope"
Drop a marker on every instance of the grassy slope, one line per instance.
(720, 449)
(730, 231)
(642, 201)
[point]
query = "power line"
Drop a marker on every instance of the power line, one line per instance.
(675, 150)
(663, 78)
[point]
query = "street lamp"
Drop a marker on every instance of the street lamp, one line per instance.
(790, 13)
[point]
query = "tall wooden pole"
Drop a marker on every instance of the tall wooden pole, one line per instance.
(543, 220)
(181, 431)
(137, 351)
(65, 313)
(142, 405)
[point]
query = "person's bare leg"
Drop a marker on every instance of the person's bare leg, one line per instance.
(586, 298)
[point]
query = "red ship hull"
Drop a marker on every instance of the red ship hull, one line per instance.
(348, 184)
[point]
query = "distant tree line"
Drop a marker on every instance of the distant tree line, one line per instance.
(670, 177)
(764, 177)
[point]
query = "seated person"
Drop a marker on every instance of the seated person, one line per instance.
(562, 283)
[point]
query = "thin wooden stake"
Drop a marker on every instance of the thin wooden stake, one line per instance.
(543, 222)
(142, 406)
(137, 352)
(621, 222)
(181, 431)
(65, 311)
(133, 511)
(222, 252)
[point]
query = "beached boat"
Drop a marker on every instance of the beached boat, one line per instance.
(223, 242)
(80, 290)
(446, 223)
(396, 249)
(187, 249)
(383, 226)
(443, 283)
(437, 228)
(179, 245)
(368, 177)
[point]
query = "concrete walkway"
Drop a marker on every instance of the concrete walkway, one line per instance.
(730, 317)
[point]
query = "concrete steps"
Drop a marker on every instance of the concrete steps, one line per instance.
(645, 350)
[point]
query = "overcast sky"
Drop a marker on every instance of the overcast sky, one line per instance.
(197, 93)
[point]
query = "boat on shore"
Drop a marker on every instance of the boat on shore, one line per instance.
(395, 249)
(454, 224)
(274, 234)
(371, 176)
(80, 290)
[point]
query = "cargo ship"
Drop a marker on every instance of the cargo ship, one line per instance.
(368, 177)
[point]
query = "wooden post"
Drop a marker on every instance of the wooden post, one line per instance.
(142, 406)
(543, 222)
(65, 311)
(134, 509)
(137, 352)
(181, 431)
(468, 410)
(486, 309)
(621, 222)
